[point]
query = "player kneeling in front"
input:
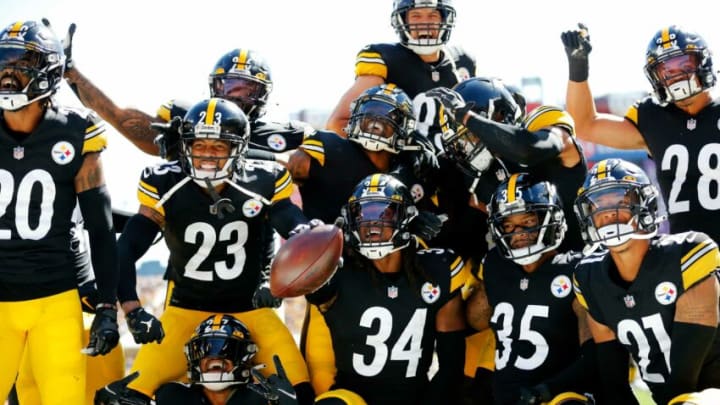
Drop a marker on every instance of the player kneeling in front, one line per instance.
(655, 297)
(390, 305)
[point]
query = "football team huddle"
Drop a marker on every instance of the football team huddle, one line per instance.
(485, 261)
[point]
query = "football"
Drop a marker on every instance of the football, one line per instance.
(306, 261)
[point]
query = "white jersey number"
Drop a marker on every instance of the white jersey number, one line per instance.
(709, 166)
(407, 348)
(629, 328)
(23, 223)
(236, 230)
(506, 312)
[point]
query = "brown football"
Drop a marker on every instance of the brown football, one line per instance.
(306, 261)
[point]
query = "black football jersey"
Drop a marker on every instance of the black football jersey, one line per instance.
(38, 246)
(399, 65)
(216, 261)
(383, 325)
(277, 136)
(686, 153)
(642, 315)
(533, 321)
(336, 167)
(175, 393)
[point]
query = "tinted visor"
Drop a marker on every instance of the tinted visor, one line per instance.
(382, 212)
(246, 92)
(679, 65)
(19, 57)
(217, 346)
(463, 146)
(617, 197)
(370, 113)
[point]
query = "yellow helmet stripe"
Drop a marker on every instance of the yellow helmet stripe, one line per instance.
(511, 188)
(374, 185)
(15, 30)
(217, 322)
(389, 88)
(602, 169)
(665, 35)
(242, 59)
(210, 117)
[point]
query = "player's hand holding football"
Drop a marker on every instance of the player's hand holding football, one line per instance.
(263, 298)
(144, 327)
(578, 48)
(306, 227)
(104, 335)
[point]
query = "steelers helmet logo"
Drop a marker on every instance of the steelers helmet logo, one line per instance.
(561, 286)
(252, 207)
(277, 142)
(62, 152)
(430, 293)
(666, 293)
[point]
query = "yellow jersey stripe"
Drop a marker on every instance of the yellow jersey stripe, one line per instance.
(149, 200)
(149, 188)
(371, 69)
(703, 264)
(578, 293)
(284, 189)
(164, 112)
(693, 251)
(460, 273)
(97, 143)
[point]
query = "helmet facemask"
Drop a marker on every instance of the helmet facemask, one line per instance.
(613, 212)
(467, 150)
(218, 360)
(378, 225)
(42, 70)
(248, 92)
(423, 38)
(677, 77)
(377, 124)
(212, 171)
(523, 232)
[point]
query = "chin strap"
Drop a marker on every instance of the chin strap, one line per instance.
(220, 205)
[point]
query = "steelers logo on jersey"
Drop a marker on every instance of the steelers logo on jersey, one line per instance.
(277, 142)
(430, 293)
(561, 286)
(252, 207)
(417, 191)
(62, 153)
(666, 293)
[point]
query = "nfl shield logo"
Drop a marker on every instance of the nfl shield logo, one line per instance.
(524, 284)
(691, 124)
(18, 152)
(629, 301)
(392, 292)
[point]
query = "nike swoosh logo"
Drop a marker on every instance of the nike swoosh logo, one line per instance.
(288, 394)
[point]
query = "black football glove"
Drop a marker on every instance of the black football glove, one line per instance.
(262, 298)
(66, 43)
(144, 327)
(117, 393)
(426, 225)
(277, 388)
(305, 227)
(535, 395)
(453, 103)
(423, 159)
(577, 48)
(169, 139)
(88, 297)
(104, 334)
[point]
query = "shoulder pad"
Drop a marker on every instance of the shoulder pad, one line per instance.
(700, 256)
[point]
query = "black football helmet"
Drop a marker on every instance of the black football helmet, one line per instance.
(613, 186)
(219, 119)
(378, 203)
(693, 71)
(32, 50)
(519, 98)
(423, 45)
(242, 71)
(490, 99)
(381, 118)
(220, 337)
(520, 194)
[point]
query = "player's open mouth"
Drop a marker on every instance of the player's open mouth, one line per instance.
(9, 82)
(216, 365)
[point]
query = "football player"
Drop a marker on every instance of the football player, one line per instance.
(212, 206)
(525, 277)
(420, 61)
(53, 162)
(654, 296)
(391, 304)
(676, 124)
(544, 144)
(220, 357)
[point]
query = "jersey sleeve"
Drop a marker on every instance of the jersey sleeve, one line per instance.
(369, 61)
(283, 186)
(149, 190)
(314, 145)
(700, 258)
(95, 137)
(578, 292)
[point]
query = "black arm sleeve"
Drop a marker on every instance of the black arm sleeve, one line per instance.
(690, 345)
(514, 143)
(136, 239)
(96, 210)
(445, 385)
(284, 216)
(613, 365)
(579, 376)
